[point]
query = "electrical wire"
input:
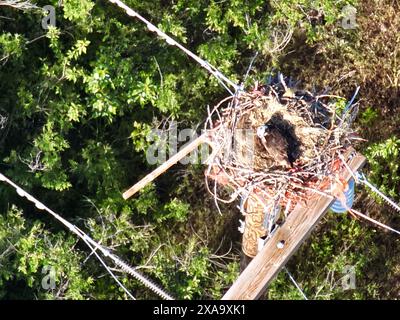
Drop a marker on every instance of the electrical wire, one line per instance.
(295, 283)
(206, 65)
(351, 100)
(91, 243)
(361, 178)
(108, 270)
(374, 221)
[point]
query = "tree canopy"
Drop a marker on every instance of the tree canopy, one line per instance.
(77, 104)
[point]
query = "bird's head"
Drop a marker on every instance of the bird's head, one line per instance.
(262, 130)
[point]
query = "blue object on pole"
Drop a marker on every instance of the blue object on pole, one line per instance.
(337, 206)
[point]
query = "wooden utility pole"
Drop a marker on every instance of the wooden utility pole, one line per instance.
(254, 280)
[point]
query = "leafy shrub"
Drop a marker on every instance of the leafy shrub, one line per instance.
(384, 161)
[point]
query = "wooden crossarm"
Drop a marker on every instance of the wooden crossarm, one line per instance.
(166, 165)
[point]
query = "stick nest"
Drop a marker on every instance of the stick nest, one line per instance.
(278, 143)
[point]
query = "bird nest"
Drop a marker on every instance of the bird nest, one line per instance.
(277, 143)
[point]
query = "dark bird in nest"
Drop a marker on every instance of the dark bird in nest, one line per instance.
(275, 144)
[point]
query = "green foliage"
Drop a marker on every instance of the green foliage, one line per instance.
(168, 98)
(111, 227)
(40, 249)
(340, 243)
(176, 209)
(384, 159)
(11, 45)
(53, 35)
(78, 11)
(368, 116)
(219, 52)
(97, 167)
(144, 93)
(314, 16)
(340, 106)
(52, 144)
(11, 227)
(28, 250)
(189, 270)
(148, 204)
(81, 100)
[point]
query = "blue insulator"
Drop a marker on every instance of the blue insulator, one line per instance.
(349, 194)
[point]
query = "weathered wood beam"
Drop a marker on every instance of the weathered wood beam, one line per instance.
(166, 165)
